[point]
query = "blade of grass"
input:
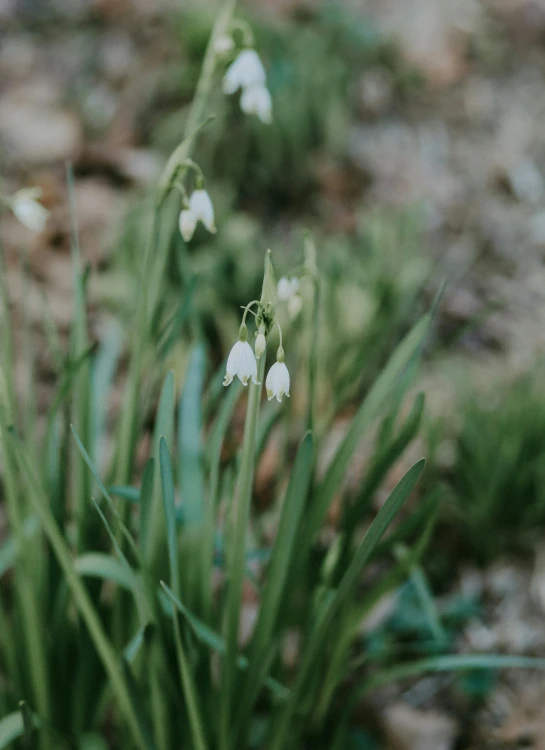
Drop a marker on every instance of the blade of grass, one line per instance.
(187, 681)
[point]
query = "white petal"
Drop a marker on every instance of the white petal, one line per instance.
(29, 212)
(295, 305)
(256, 100)
(187, 223)
(246, 70)
(284, 289)
(202, 209)
(278, 381)
(233, 362)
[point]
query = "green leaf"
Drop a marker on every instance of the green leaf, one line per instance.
(190, 439)
(135, 644)
(282, 555)
(9, 548)
(11, 728)
(167, 482)
(100, 565)
(345, 590)
(164, 428)
(214, 641)
(132, 494)
(146, 498)
(389, 381)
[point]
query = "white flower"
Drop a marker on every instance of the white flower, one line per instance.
(278, 381)
(26, 208)
(295, 305)
(287, 288)
(200, 208)
(187, 223)
(241, 362)
(260, 345)
(223, 45)
(256, 100)
(245, 71)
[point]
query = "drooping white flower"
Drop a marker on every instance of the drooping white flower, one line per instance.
(260, 345)
(287, 288)
(224, 44)
(241, 361)
(278, 378)
(295, 305)
(245, 71)
(28, 210)
(256, 100)
(187, 224)
(202, 209)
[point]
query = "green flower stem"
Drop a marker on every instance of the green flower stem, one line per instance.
(145, 300)
(237, 550)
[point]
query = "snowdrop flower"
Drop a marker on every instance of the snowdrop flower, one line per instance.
(287, 288)
(223, 45)
(28, 210)
(256, 100)
(241, 361)
(200, 208)
(278, 378)
(187, 224)
(288, 291)
(244, 72)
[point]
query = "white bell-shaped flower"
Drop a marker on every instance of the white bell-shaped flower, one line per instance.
(187, 223)
(278, 378)
(256, 100)
(287, 288)
(241, 361)
(28, 210)
(245, 71)
(202, 209)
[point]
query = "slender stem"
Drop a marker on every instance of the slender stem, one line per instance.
(238, 549)
(313, 356)
(196, 115)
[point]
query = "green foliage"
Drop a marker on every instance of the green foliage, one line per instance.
(495, 472)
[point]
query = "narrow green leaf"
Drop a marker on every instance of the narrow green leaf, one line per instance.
(9, 548)
(190, 439)
(11, 728)
(390, 379)
(132, 494)
(164, 428)
(137, 641)
(282, 555)
(345, 590)
(214, 641)
(146, 499)
(80, 594)
(167, 482)
(101, 565)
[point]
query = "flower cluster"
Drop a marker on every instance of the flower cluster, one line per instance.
(247, 73)
(242, 361)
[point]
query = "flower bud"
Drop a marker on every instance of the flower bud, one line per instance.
(260, 345)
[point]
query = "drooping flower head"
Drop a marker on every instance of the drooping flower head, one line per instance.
(241, 360)
(256, 100)
(199, 208)
(278, 378)
(245, 71)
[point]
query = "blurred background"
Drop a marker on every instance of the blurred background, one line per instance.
(408, 137)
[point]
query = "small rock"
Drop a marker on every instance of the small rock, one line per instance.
(408, 728)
